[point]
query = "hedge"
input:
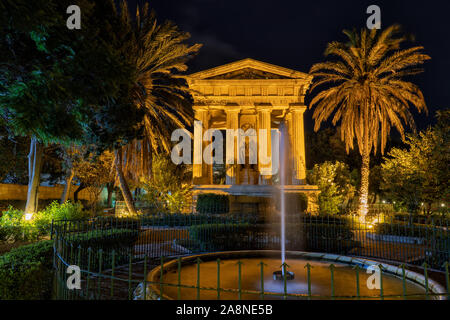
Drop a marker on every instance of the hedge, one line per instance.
(26, 273)
(403, 229)
(213, 203)
(119, 240)
(215, 237)
(299, 236)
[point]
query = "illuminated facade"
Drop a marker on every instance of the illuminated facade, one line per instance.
(250, 94)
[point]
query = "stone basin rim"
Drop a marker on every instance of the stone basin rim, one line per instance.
(433, 286)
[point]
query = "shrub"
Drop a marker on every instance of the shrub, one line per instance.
(56, 211)
(213, 203)
(335, 184)
(14, 227)
(119, 240)
(26, 272)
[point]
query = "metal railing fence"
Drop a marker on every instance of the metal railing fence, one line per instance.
(115, 254)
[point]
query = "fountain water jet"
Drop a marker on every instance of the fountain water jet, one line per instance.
(284, 156)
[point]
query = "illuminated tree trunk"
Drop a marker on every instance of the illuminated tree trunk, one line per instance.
(34, 175)
(110, 188)
(66, 192)
(364, 189)
(79, 189)
(124, 185)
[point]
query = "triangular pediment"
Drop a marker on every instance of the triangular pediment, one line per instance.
(247, 73)
(248, 69)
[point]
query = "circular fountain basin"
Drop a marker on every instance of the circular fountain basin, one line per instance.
(344, 275)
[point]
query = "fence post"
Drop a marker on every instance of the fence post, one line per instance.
(239, 263)
(404, 280)
(113, 262)
(447, 280)
(145, 277)
(308, 275)
(425, 273)
(262, 279)
(332, 280)
(357, 281)
(198, 278)
(89, 272)
(161, 276)
(381, 282)
(284, 266)
(218, 279)
(129, 274)
(179, 279)
(99, 277)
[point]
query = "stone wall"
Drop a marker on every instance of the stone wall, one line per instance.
(19, 192)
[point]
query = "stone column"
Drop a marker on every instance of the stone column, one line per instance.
(200, 169)
(291, 164)
(298, 144)
(232, 174)
(265, 122)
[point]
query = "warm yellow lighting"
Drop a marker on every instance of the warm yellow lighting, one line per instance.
(362, 219)
(442, 205)
(28, 216)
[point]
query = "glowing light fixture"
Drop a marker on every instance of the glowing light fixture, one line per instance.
(28, 216)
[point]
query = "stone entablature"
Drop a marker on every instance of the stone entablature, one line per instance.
(261, 83)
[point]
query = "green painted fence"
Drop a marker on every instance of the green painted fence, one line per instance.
(115, 254)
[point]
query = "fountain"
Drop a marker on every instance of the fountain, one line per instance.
(243, 274)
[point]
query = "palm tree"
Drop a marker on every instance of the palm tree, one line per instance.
(366, 91)
(156, 51)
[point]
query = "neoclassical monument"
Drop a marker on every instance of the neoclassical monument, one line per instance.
(250, 94)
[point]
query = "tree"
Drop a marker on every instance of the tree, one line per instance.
(420, 173)
(13, 157)
(366, 92)
(156, 51)
(167, 189)
(95, 173)
(53, 79)
(335, 185)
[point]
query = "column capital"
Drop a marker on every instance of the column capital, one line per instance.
(264, 108)
(231, 109)
(297, 108)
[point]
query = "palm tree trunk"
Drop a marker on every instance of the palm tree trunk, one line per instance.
(66, 192)
(124, 185)
(364, 189)
(34, 175)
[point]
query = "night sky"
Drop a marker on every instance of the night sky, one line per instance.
(294, 34)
